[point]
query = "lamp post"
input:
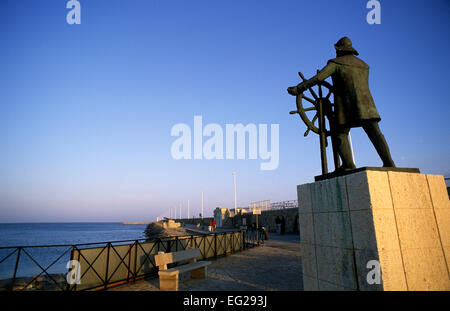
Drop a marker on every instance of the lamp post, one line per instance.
(235, 200)
(202, 204)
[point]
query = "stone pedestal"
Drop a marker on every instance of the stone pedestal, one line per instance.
(398, 220)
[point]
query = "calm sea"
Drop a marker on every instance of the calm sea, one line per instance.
(27, 234)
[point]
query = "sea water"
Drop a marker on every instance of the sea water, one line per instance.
(29, 234)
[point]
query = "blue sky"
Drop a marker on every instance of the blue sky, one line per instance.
(87, 110)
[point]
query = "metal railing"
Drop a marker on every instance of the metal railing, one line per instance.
(105, 264)
(255, 237)
(269, 206)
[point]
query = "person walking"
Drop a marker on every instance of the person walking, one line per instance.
(278, 224)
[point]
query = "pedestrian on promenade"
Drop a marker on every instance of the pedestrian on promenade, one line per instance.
(283, 225)
(214, 224)
(278, 224)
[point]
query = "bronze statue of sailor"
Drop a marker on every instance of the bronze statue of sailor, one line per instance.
(353, 103)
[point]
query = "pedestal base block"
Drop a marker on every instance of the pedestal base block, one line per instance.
(375, 230)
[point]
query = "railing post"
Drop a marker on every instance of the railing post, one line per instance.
(71, 258)
(225, 244)
(15, 268)
(107, 265)
(204, 246)
(129, 262)
(135, 261)
(232, 242)
(215, 245)
(78, 259)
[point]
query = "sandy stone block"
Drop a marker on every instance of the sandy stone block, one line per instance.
(447, 256)
(368, 190)
(358, 191)
(308, 257)
(438, 191)
(380, 192)
(335, 265)
(329, 195)
(426, 269)
(333, 229)
(326, 286)
(374, 230)
(200, 273)
(319, 196)
(443, 221)
(310, 284)
(391, 267)
(362, 258)
(385, 229)
(306, 228)
(168, 283)
(363, 230)
(409, 190)
(338, 199)
(392, 272)
(304, 198)
(417, 228)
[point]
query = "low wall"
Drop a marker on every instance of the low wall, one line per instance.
(267, 219)
(194, 221)
(110, 265)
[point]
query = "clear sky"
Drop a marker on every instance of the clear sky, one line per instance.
(87, 110)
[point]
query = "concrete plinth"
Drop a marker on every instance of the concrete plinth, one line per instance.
(396, 220)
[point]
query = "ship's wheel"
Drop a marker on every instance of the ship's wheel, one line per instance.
(308, 106)
(315, 108)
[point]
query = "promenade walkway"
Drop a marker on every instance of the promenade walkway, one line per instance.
(274, 266)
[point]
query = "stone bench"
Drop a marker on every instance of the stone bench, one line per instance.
(168, 278)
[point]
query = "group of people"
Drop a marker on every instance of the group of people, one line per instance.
(212, 225)
(281, 224)
(279, 221)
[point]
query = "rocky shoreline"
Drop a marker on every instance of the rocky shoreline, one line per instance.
(42, 283)
(159, 230)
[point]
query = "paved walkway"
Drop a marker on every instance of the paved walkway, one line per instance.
(274, 266)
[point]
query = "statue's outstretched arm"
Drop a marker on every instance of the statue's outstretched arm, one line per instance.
(324, 73)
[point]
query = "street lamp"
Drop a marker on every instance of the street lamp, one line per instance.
(235, 200)
(202, 205)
